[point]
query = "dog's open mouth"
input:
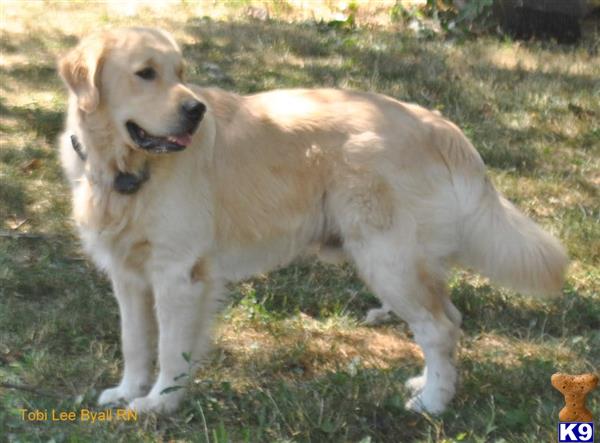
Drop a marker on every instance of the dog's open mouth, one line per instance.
(157, 144)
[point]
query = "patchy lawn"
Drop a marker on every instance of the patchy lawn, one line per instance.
(292, 361)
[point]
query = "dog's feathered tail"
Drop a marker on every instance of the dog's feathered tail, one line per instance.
(497, 239)
(510, 248)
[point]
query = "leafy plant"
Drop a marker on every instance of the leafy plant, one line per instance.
(453, 16)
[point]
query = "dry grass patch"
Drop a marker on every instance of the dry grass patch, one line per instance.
(510, 353)
(303, 347)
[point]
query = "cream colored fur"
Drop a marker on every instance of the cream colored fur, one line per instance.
(393, 187)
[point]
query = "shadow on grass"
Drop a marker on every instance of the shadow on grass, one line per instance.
(13, 198)
(517, 316)
(309, 287)
(33, 76)
(323, 290)
(38, 70)
(43, 122)
(41, 43)
(338, 406)
(520, 393)
(494, 400)
(346, 406)
(545, 81)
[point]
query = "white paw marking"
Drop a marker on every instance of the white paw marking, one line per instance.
(416, 384)
(120, 394)
(420, 403)
(377, 316)
(155, 403)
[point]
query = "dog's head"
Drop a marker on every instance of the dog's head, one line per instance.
(134, 76)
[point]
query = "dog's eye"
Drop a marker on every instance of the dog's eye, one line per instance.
(147, 73)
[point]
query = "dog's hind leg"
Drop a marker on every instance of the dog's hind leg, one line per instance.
(184, 308)
(138, 336)
(414, 287)
(416, 384)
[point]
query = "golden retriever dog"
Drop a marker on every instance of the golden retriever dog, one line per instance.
(178, 189)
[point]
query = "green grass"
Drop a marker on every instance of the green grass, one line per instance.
(292, 361)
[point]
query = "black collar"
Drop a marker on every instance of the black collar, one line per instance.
(78, 148)
(124, 182)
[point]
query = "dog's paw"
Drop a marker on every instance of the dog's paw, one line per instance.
(377, 316)
(161, 404)
(431, 403)
(418, 403)
(415, 404)
(416, 384)
(120, 394)
(112, 395)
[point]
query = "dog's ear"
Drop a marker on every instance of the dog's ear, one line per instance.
(80, 69)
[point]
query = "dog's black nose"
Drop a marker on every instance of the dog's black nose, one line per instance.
(193, 110)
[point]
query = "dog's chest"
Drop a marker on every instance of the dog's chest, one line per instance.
(100, 249)
(107, 226)
(109, 251)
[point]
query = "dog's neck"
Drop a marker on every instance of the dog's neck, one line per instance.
(108, 163)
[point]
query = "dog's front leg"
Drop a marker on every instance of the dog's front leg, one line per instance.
(138, 336)
(184, 311)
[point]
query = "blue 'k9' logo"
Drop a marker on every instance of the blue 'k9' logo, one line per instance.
(575, 432)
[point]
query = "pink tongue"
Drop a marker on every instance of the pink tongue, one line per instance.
(183, 140)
